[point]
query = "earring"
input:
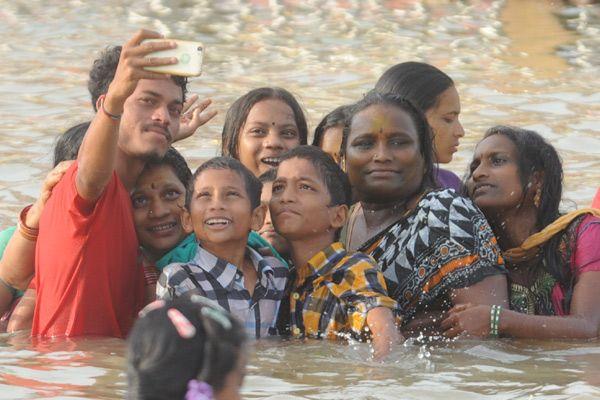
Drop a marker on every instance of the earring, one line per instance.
(537, 199)
(343, 163)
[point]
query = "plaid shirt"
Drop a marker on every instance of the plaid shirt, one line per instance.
(332, 295)
(218, 280)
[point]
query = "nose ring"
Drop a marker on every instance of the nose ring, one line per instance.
(150, 212)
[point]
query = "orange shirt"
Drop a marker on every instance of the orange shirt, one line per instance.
(88, 279)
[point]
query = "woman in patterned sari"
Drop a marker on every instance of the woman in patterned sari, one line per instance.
(434, 247)
(553, 261)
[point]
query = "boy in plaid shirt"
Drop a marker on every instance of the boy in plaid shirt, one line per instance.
(222, 206)
(333, 293)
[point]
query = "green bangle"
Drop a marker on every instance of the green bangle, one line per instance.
(495, 320)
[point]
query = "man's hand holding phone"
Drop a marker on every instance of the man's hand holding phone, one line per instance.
(132, 62)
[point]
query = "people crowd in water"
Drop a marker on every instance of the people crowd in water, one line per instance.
(360, 236)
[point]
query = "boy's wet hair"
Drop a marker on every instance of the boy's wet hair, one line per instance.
(420, 83)
(160, 362)
(239, 110)
(104, 69)
(335, 118)
(331, 174)
(268, 176)
(68, 144)
(175, 160)
(251, 183)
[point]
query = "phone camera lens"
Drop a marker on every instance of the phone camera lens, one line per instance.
(199, 48)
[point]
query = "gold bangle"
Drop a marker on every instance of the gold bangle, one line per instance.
(25, 231)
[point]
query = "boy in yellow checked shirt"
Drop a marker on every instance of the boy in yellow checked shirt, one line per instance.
(335, 294)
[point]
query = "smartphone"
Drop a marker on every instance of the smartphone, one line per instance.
(189, 56)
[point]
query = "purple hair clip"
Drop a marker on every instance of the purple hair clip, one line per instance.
(199, 390)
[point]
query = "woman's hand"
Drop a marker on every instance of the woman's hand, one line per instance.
(53, 177)
(467, 319)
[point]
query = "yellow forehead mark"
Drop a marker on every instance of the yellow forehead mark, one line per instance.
(379, 122)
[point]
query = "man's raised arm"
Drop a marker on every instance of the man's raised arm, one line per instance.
(98, 153)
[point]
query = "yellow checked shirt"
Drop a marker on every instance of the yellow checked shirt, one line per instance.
(332, 295)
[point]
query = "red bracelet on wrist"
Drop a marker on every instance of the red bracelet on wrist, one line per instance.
(114, 117)
(25, 231)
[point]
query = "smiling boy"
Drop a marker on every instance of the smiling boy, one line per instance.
(334, 293)
(222, 206)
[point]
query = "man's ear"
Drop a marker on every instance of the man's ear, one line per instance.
(258, 217)
(338, 215)
(186, 221)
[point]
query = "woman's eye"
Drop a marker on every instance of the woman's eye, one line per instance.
(139, 202)
(304, 186)
(258, 131)
(498, 161)
(448, 120)
(147, 100)
(398, 142)
(172, 194)
(202, 195)
(289, 134)
(233, 193)
(363, 144)
(277, 188)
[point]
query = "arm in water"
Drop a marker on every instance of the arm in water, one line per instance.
(582, 323)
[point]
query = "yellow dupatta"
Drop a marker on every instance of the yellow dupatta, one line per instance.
(531, 245)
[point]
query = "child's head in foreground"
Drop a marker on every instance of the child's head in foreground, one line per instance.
(187, 348)
(223, 203)
(311, 195)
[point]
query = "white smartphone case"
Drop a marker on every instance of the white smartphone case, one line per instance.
(189, 56)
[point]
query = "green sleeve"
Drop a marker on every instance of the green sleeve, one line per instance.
(5, 236)
(256, 242)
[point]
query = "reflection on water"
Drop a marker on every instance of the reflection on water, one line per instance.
(469, 369)
(328, 53)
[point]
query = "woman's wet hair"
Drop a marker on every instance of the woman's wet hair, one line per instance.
(335, 118)
(423, 131)
(536, 155)
(251, 183)
(68, 144)
(161, 361)
(335, 179)
(239, 110)
(175, 160)
(418, 82)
